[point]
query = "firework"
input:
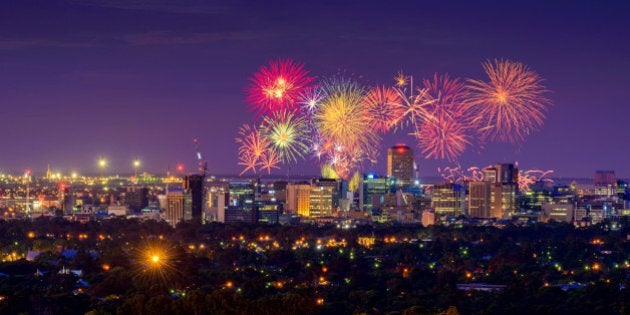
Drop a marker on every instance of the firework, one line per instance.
(530, 177)
(448, 130)
(329, 172)
(442, 138)
(415, 108)
(458, 175)
(277, 86)
(383, 106)
(270, 159)
(342, 126)
(310, 99)
(287, 135)
(511, 105)
(253, 147)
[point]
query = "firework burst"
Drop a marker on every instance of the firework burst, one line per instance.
(253, 148)
(449, 129)
(511, 105)
(383, 106)
(277, 86)
(343, 124)
(287, 135)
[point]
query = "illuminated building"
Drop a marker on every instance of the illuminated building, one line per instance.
(178, 207)
(372, 190)
(298, 199)
(400, 164)
(557, 212)
(240, 208)
(449, 199)
(605, 183)
(495, 196)
(428, 217)
(323, 197)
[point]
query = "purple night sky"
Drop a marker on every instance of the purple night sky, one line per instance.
(121, 79)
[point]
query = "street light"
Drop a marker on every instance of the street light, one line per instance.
(136, 165)
(102, 163)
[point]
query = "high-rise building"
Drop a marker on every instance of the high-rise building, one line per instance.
(495, 196)
(241, 203)
(372, 190)
(400, 164)
(479, 199)
(324, 197)
(298, 199)
(449, 199)
(178, 207)
(194, 184)
(137, 198)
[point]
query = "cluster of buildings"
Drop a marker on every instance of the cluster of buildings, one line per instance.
(397, 197)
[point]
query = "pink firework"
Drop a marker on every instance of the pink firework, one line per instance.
(449, 129)
(526, 179)
(384, 108)
(458, 175)
(442, 137)
(277, 86)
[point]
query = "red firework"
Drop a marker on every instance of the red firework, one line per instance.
(277, 86)
(384, 108)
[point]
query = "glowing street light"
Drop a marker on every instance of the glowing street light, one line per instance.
(102, 163)
(136, 165)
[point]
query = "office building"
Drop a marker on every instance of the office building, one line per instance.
(194, 184)
(372, 191)
(298, 199)
(400, 164)
(449, 199)
(178, 207)
(495, 196)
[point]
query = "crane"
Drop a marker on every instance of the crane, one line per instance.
(202, 165)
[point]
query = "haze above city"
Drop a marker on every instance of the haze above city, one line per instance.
(122, 80)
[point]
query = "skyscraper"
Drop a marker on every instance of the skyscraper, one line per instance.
(178, 207)
(495, 196)
(400, 164)
(194, 184)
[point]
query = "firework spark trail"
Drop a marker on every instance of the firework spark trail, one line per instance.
(512, 104)
(277, 86)
(415, 107)
(270, 159)
(526, 179)
(457, 175)
(287, 135)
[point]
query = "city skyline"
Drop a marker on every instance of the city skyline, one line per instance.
(76, 88)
